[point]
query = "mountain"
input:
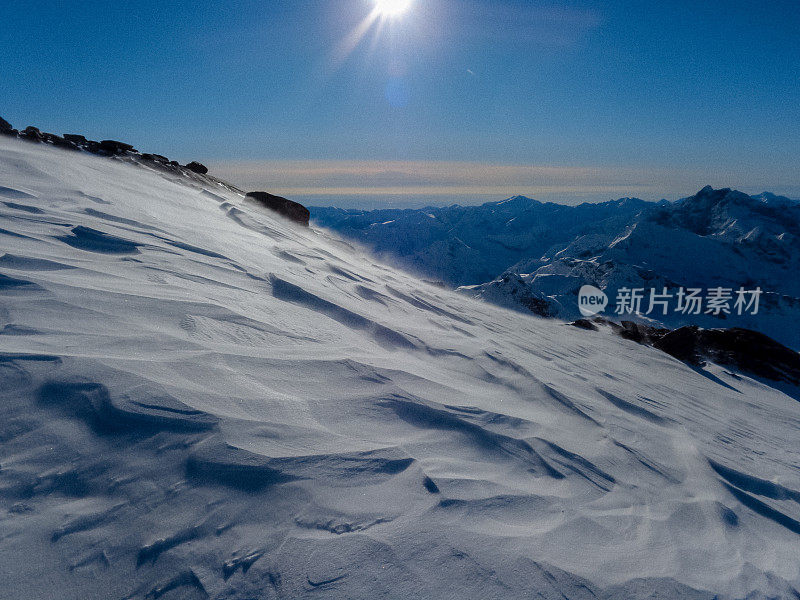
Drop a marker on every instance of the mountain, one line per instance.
(530, 256)
(462, 245)
(200, 399)
(716, 238)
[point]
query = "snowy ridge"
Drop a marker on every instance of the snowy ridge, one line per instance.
(715, 238)
(202, 400)
(467, 245)
(530, 256)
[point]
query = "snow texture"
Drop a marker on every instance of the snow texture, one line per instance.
(199, 399)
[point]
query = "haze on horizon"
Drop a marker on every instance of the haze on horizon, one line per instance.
(448, 101)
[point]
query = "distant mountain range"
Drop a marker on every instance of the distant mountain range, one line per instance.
(534, 256)
(463, 245)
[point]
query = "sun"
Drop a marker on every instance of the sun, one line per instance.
(382, 14)
(392, 8)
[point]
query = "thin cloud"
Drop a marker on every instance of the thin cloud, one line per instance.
(374, 181)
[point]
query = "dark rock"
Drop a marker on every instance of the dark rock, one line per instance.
(62, 143)
(683, 344)
(538, 306)
(31, 134)
(641, 334)
(174, 163)
(93, 147)
(76, 139)
(114, 147)
(585, 324)
(5, 126)
(59, 141)
(752, 351)
(197, 167)
(743, 349)
(535, 302)
(289, 209)
(155, 158)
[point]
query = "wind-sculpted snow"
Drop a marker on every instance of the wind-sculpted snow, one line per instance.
(199, 399)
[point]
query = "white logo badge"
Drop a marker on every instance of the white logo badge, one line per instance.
(591, 301)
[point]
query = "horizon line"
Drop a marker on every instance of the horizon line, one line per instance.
(452, 182)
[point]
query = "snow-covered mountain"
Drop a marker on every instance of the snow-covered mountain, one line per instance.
(716, 238)
(463, 245)
(199, 399)
(531, 256)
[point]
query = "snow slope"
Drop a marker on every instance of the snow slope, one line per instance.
(201, 400)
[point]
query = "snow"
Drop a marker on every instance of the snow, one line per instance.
(526, 255)
(715, 238)
(202, 400)
(469, 245)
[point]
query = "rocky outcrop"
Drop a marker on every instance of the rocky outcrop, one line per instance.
(291, 210)
(641, 334)
(5, 126)
(743, 349)
(110, 148)
(584, 324)
(76, 139)
(155, 158)
(682, 343)
(114, 147)
(59, 141)
(197, 167)
(32, 134)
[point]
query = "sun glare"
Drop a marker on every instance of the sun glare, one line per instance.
(392, 8)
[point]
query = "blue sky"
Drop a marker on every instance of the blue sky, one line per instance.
(454, 101)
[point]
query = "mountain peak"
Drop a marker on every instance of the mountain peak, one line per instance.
(709, 197)
(708, 192)
(774, 199)
(517, 200)
(728, 212)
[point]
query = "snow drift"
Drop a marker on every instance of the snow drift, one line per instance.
(199, 399)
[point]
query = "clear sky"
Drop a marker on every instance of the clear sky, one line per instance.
(452, 101)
